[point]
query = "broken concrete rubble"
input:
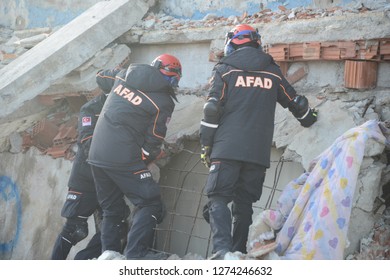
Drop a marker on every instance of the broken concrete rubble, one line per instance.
(376, 245)
(83, 78)
(64, 47)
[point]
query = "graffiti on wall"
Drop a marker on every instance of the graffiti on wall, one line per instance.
(10, 214)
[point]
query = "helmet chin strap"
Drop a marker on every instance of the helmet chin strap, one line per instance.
(252, 35)
(173, 80)
(228, 49)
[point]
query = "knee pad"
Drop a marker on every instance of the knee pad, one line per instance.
(75, 230)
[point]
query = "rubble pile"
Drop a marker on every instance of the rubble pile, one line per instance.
(13, 43)
(376, 246)
(162, 21)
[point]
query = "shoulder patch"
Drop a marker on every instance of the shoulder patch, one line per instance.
(86, 121)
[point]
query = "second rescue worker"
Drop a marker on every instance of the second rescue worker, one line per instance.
(128, 135)
(236, 134)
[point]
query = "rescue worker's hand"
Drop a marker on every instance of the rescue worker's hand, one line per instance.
(205, 155)
(309, 118)
(149, 158)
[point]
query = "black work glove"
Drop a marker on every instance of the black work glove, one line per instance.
(308, 119)
(205, 155)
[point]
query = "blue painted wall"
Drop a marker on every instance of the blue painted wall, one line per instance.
(39, 16)
(20, 14)
(10, 201)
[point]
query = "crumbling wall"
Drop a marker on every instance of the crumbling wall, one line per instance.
(198, 9)
(32, 191)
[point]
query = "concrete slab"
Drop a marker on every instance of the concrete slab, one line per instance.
(186, 118)
(66, 49)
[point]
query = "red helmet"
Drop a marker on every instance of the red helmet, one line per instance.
(242, 34)
(168, 65)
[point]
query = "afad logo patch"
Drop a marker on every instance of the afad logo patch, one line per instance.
(71, 196)
(86, 121)
(145, 175)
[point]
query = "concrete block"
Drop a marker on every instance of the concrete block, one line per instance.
(65, 50)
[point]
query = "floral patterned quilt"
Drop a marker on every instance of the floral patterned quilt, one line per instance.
(313, 211)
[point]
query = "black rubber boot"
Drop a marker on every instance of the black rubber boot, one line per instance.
(111, 234)
(141, 234)
(242, 219)
(221, 225)
(61, 249)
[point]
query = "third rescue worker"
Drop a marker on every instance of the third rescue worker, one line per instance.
(128, 135)
(81, 200)
(236, 134)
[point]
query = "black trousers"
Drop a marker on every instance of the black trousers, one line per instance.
(81, 202)
(240, 183)
(92, 250)
(143, 192)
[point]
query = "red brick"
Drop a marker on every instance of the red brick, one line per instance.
(360, 74)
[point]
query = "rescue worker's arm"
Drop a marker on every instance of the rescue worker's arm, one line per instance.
(298, 105)
(211, 116)
(106, 78)
(211, 110)
(155, 135)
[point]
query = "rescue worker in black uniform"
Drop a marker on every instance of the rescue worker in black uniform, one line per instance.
(81, 200)
(128, 135)
(236, 134)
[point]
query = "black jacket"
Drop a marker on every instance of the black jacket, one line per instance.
(246, 85)
(134, 117)
(90, 111)
(89, 114)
